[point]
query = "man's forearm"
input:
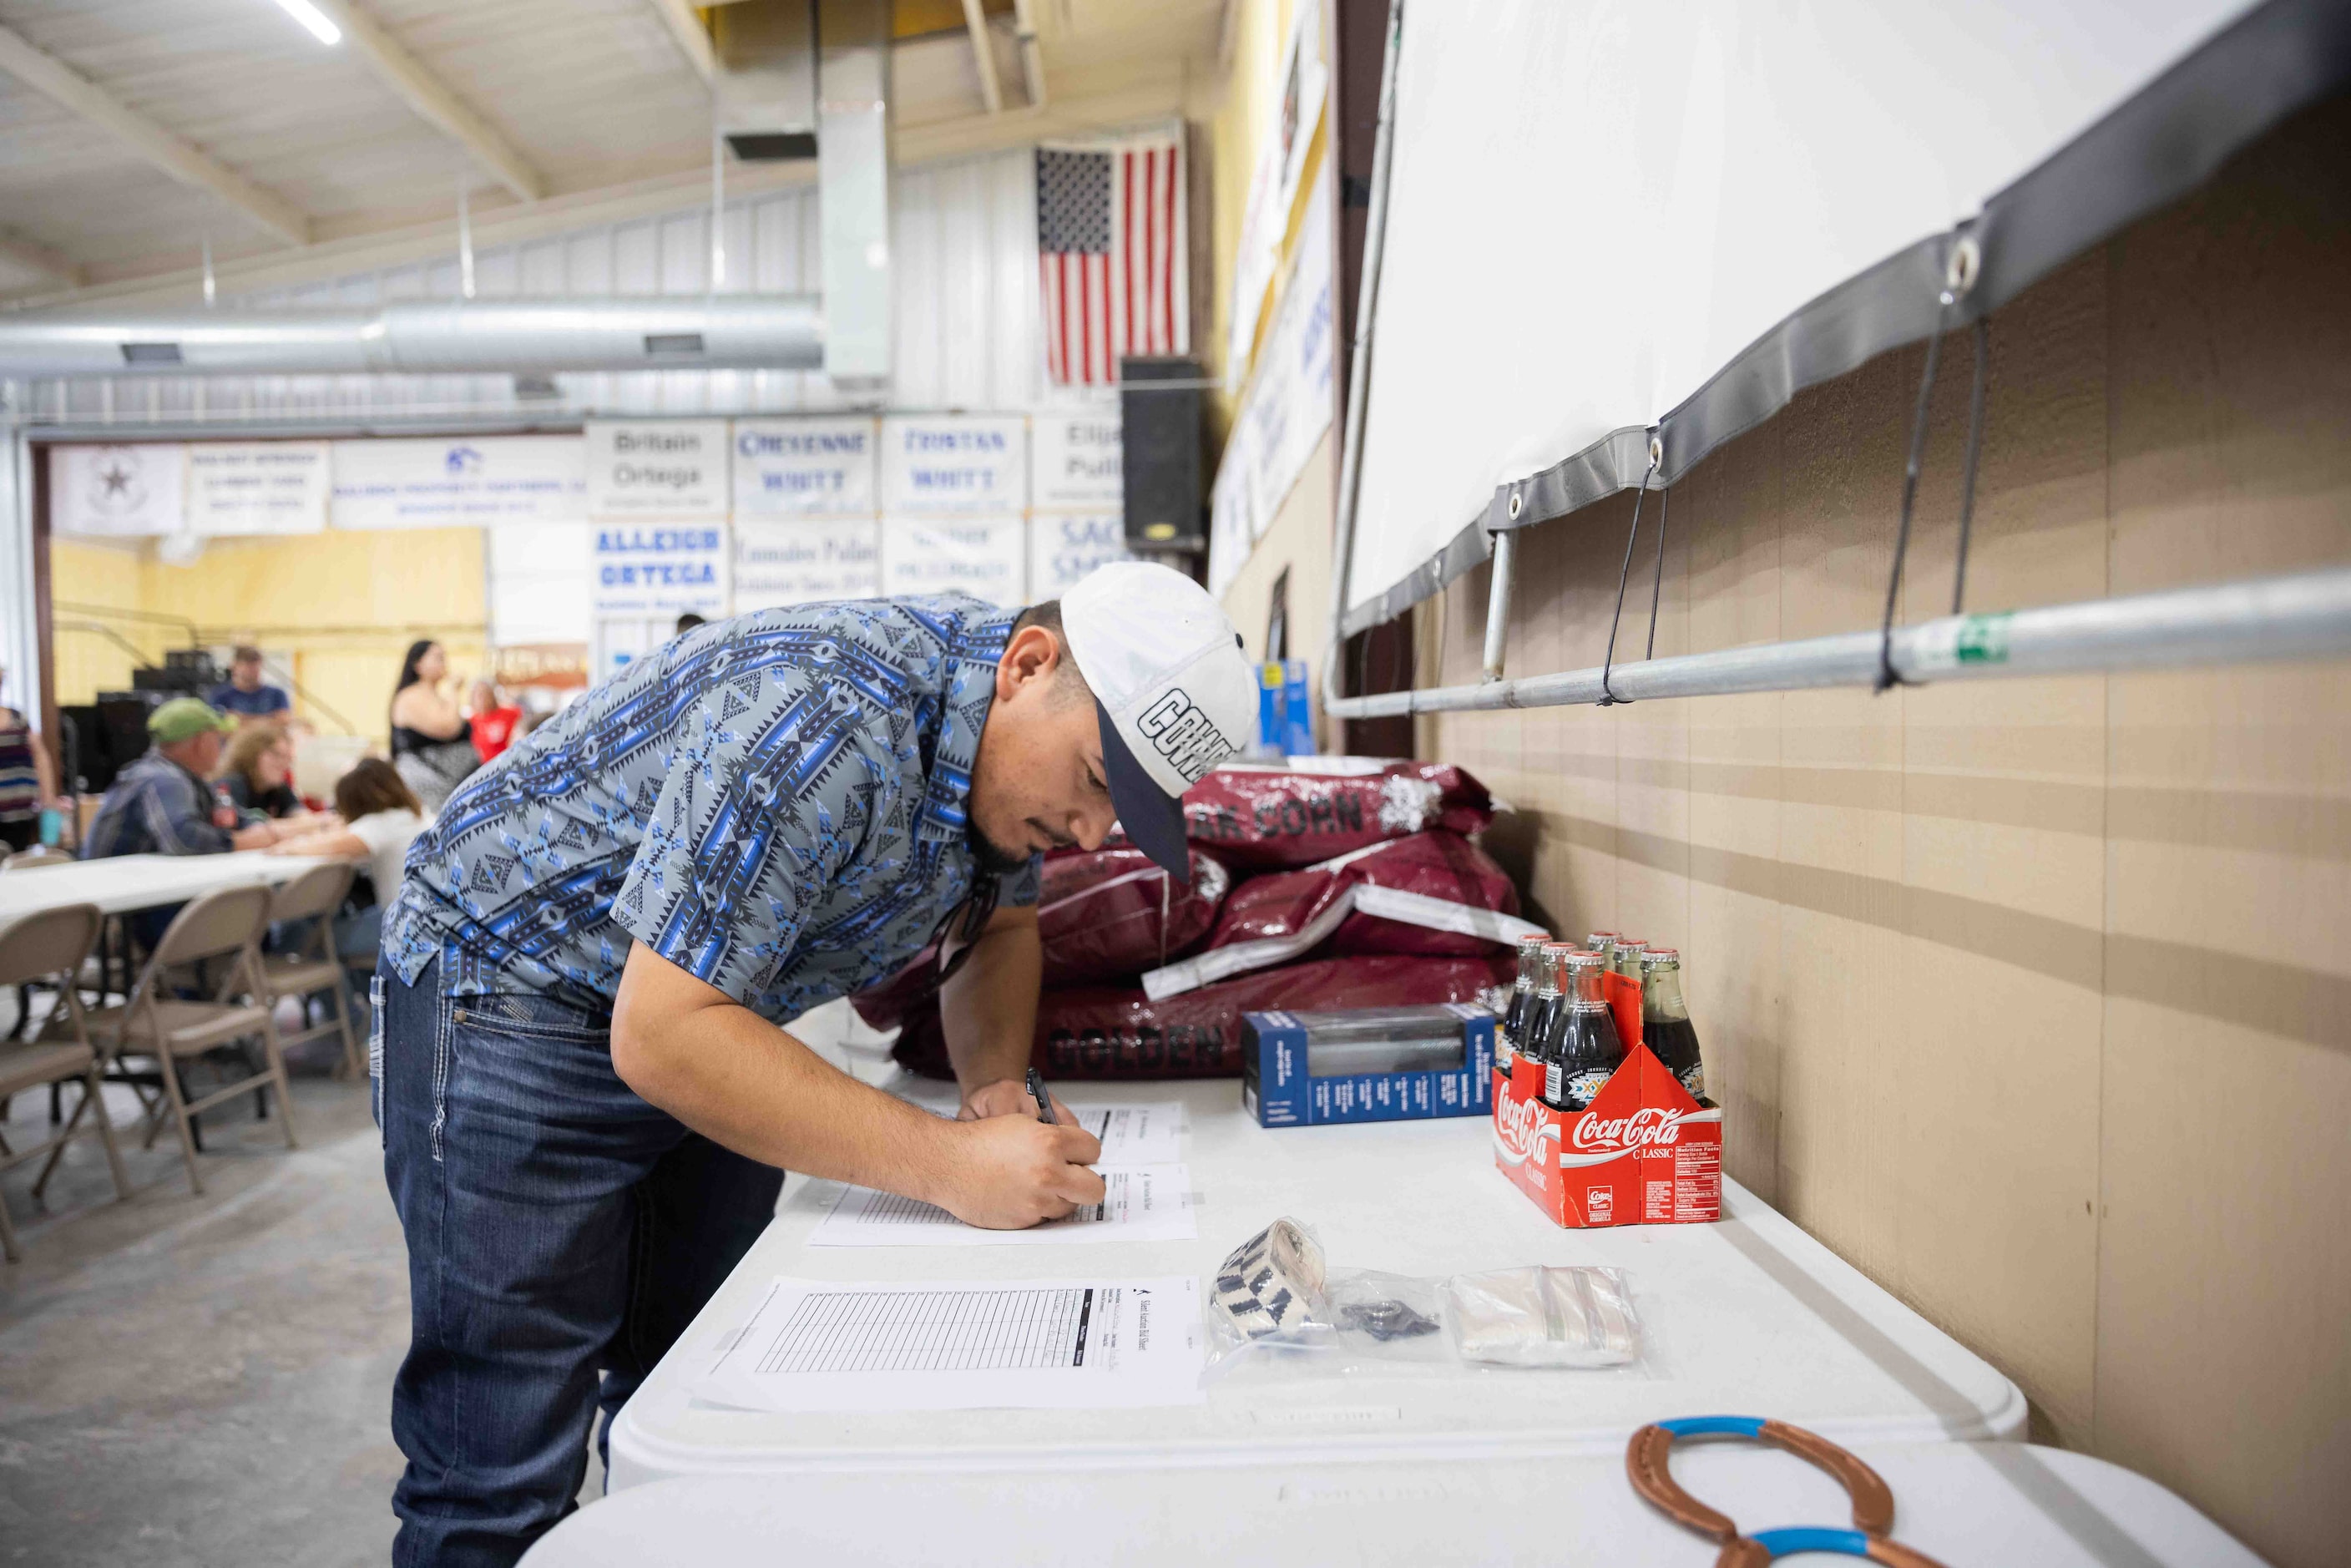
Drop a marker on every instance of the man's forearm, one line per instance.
(988, 1009)
(741, 1082)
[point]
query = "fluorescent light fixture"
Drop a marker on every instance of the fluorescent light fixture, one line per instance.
(315, 22)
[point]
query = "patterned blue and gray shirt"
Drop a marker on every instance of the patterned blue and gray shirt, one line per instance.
(774, 803)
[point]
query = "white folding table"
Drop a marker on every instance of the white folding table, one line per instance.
(124, 883)
(1967, 1505)
(1748, 1316)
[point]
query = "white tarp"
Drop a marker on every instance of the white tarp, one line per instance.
(805, 560)
(1594, 206)
(120, 492)
(1063, 549)
(1075, 460)
(804, 467)
(647, 567)
(257, 487)
(933, 463)
(458, 481)
(986, 557)
(668, 468)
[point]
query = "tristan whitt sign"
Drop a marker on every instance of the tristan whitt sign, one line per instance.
(670, 469)
(935, 464)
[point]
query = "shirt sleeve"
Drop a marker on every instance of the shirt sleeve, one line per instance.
(181, 820)
(759, 812)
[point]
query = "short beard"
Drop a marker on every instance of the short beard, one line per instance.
(993, 857)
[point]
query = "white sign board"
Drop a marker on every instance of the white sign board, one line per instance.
(799, 560)
(1231, 535)
(459, 482)
(257, 487)
(1063, 549)
(669, 468)
(651, 567)
(810, 467)
(933, 463)
(1075, 462)
(981, 556)
(119, 492)
(1290, 400)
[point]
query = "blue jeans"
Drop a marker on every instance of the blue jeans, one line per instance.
(558, 1227)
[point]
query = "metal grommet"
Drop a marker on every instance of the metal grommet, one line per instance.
(1517, 501)
(1965, 262)
(1656, 452)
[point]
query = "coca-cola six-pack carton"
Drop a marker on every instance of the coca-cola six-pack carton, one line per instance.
(1643, 1153)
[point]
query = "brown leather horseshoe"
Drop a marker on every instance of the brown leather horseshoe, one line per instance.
(1647, 1467)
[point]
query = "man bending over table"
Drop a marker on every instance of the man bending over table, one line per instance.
(587, 1098)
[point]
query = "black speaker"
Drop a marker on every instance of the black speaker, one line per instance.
(1160, 448)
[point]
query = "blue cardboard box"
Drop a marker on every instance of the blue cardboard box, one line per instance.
(1279, 1089)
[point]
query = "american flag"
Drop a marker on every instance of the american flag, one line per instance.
(1110, 241)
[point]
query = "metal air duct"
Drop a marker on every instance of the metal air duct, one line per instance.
(775, 332)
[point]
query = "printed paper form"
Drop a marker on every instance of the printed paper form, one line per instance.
(1133, 1134)
(1141, 1203)
(1063, 1345)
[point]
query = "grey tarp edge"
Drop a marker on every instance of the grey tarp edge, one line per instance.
(2149, 150)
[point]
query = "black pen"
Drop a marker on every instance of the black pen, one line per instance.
(1044, 1100)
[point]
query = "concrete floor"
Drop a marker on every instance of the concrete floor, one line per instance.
(208, 1380)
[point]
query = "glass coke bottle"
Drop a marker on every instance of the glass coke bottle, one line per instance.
(1537, 1039)
(1665, 1020)
(1603, 943)
(1507, 1039)
(1588, 1050)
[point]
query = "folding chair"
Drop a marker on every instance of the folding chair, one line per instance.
(52, 943)
(37, 857)
(312, 966)
(224, 923)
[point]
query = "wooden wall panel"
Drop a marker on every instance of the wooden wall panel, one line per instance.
(2032, 998)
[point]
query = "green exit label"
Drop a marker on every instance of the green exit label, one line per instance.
(1982, 640)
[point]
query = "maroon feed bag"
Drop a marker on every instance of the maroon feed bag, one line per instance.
(1107, 914)
(1102, 915)
(1098, 1032)
(1435, 864)
(1261, 819)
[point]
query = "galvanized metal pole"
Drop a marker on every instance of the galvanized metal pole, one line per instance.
(2304, 616)
(1497, 603)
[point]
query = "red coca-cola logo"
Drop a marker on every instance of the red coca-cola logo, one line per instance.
(1520, 1128)
(1597, 1139)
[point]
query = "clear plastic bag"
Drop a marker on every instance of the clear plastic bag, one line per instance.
(1275, 1302)
(1580, 1317)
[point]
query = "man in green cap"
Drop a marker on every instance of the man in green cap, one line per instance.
(163, 804)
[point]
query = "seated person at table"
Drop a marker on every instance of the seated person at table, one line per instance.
(163, 804)
(245, 696)
(378, 818)
(258, 772)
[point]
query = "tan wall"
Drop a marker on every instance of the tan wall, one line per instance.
(339, 608)
(2032, 998)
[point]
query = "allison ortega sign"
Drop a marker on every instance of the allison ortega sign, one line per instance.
(659, 568)
(669, 468)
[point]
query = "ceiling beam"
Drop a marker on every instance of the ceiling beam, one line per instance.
(693, 39)
(23, 251)
(47, 74)
(1032, 56)
(423, 92)
(687, 189)
(983, 54)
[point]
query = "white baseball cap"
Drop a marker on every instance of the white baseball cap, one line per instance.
(1174, 689)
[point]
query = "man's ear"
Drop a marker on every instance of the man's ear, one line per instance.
(1033, 655)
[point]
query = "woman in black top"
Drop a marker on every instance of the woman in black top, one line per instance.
(431, 747)
(258, 772)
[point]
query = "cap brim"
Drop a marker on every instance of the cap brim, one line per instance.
(1152, 819)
